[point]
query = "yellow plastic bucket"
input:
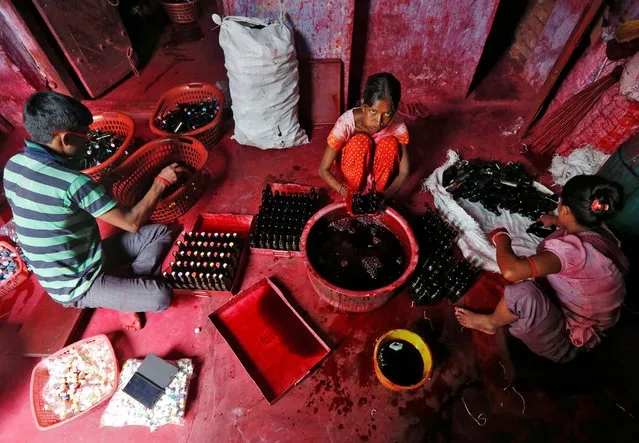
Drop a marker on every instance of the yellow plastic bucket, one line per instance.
(420, 345)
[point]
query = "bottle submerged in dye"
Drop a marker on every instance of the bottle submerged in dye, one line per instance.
(400, 362)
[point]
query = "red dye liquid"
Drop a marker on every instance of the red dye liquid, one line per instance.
(358, 254)
(400, 362)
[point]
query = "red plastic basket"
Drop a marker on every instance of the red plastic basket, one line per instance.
(135, 176)
(183, 12)
(19, 277)
(115, 123)
(46, 419)
(208, 134)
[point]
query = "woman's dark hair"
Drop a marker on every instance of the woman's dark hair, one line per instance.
(47, 112)
(382, 86)
(592, 199)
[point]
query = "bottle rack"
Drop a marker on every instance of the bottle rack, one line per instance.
(204, 261)
(284, 211)
(440, 275)
(210, 258)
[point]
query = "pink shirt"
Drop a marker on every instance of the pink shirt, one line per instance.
(344, 129)
(590, 287)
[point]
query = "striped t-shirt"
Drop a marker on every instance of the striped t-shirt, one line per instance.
(54, 208)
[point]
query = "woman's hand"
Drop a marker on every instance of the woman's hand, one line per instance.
(548, 220)
(498, 234)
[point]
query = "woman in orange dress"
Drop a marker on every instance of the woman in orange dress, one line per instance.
(372, 140)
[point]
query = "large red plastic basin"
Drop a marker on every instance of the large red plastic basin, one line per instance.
(361, 301)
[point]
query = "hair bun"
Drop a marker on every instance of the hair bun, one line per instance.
(592, 199)
(598, 207)
(606, 198)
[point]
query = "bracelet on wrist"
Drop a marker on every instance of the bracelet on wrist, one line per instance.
(163, 180)
(501, 233)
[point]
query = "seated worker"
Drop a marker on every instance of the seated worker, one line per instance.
(55, 207)
(372, 140)
(583, 265)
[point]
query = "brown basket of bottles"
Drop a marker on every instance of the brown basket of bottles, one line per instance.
(192, 93)
(116, 123)
(135, 176)
(182, 11)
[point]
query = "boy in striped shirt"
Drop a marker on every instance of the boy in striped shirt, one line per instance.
(55, 209)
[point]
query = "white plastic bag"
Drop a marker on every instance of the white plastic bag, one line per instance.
(474, 221)
(123, 410)
(629, 83)
(586, 160)
(259, 56)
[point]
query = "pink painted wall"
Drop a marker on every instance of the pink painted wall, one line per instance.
(324, 28)
(15, 84)
(553, 38)
(432, 46)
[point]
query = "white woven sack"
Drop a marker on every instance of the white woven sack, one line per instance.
(259, 56)
(629, 83)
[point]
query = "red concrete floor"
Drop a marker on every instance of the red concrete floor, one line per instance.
(183, 54)
(341, 400)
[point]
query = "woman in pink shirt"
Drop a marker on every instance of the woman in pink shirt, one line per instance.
(582, 263)
(372, 140)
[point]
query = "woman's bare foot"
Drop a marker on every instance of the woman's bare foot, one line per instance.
(472, 320)
(130, 321)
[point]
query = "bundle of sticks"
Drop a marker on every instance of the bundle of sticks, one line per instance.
(549, 132)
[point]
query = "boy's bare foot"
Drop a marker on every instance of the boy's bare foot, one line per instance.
(473, 320)
(130, 321)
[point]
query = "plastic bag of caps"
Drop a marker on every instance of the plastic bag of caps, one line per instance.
(123, 410)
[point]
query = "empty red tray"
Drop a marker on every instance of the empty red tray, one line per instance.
(274, 344)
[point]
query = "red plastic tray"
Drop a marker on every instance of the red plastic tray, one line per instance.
(275, 345)
(220, 223)
(283, 187)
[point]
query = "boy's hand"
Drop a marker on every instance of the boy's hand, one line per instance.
(172, 172)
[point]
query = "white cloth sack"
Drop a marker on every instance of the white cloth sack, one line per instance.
(474, 222)
(585, 160)
(259, 56)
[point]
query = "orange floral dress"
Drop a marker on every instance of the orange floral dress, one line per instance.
(368, 159)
